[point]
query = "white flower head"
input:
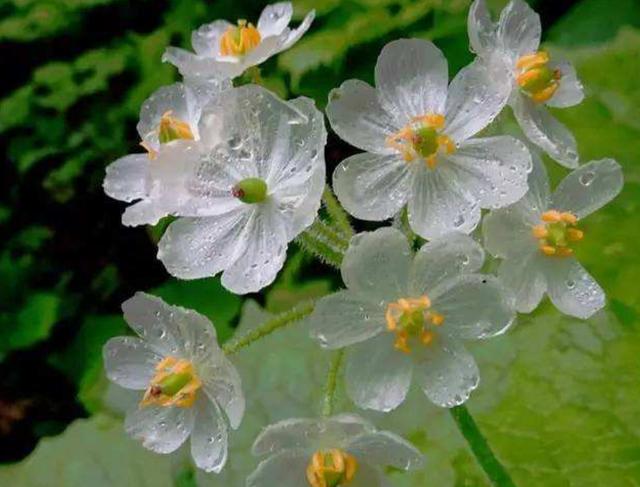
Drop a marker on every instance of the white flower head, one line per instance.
(511, 51)
(536, 236)
(224, 50)
(186, 382)
(253, 184)
(327, 452)
(417, 132)
(405, 315)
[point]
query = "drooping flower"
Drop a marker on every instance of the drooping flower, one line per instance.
(185, 380)
(224, 50)
(342, 450)
(418, 136)
(404, 315)
(251, 186)
(511, 51)
(536, 238)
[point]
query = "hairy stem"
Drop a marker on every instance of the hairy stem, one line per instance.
(332, 382)
(323, 251)
(279, 321)
(337, 213)
(480, 447)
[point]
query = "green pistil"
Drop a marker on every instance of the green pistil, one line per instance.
(412, 323)
(251, 190)
(174, 383)
(425, 141)
(557, 236)
(543, 79)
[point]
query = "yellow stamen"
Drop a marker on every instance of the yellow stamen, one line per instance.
(238, 41)
(331, 468)
(174, 384)
(535, 78)
(557, 232)
(410, 318)
(171, 128)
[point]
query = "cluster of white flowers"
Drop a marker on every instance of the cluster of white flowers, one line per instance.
(243, 171)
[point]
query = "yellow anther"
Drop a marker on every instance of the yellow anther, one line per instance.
(238, 41)
(410, 318)
(548, 249)
(426, 337)
(174, 384)
(557, 232)
(574, 234)
(528, 61)
(436, 318)
(569, 218)
(331, 468)
(151, 152)
(535, 78)
(551, 216)
(540, 231)
(171, 128)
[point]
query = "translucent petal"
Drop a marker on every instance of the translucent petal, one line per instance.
(571, 91)
(127, 178)
(571, 289)
(521, 274)
(372, 186)
(383, 448)
(482, 30)
(345, 318)
(306, 208)
(545, 131)
(508, 232)
(193, 248)
(411, 78)
(310, 433)
(476, 96)
(539, 195)
(368, 475)
(296, 34)
(161, 429)
(356, 115)
(494, 169)
(589, 188)
(206, 67)
(130, 362)
(206, 39)
(474, 306)
(222, 383)
(443, 259)
(378, 375)
(209, 439)
(519, 28)
(264, 254)
(144, 212)
(438, 204)
(446, 372)
(275, 18)
(286, 469)
(387, 280)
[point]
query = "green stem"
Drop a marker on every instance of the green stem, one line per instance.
(337, 213)
(323, 251)
(280, 321)
(332, 383)
(326, 233)
(480, 447)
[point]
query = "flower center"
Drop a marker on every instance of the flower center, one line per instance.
(535, 78)
(238, 41)
(250, 190)
(174, 384)
(169, 128)
(421, 138)
(410, 318)
(331, 468)
(557, 232)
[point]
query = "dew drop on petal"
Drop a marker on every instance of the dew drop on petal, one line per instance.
(587, 178)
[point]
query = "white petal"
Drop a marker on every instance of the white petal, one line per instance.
(209, 438)
(522, 275)
(482, 30)
(447, 372)
(307, 208)
(378, 375)
(539, 195)
(274, 19)
(412, 77)
(144, 212)
(519, 28)
(571, 289)
(345, 318)
(286, 469)
(130, 362)
(206, 39)
(194, 66)
(494, 169)
(295, 35)
(161, 429)
(193, 248)
(571, 91)
(476, 96)
(383, 448)
(589, 188)
(474, 306)
(545, 131)
(439, 204)
(508, 232)
(222, 383)
(127, 178)
(368, 475)
(264, 254)
(372, 186)
(387, 279)
(357, 116)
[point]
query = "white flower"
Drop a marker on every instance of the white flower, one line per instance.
(405, 315)
(223, 50)
(535, 238)
(511, 51)
(417, 134)
(187, 380)
(253, 184)
(336, 451)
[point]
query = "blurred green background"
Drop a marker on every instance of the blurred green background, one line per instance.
(560, 398)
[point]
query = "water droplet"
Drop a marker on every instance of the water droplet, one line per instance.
(587, 178)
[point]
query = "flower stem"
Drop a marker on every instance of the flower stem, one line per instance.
(311, 243)
(332, 382)
(337, 213)
(492, 467)
(279, 321)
